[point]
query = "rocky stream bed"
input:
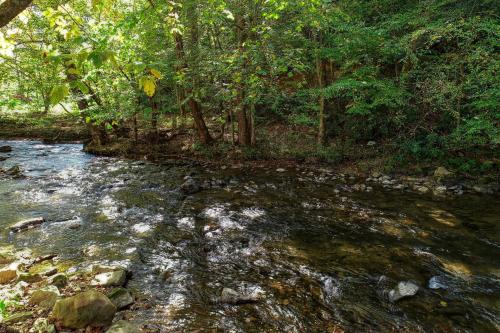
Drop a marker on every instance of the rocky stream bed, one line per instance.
(95, 244)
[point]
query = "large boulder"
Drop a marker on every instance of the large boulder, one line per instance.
(45, 297)
(90, 308)
(108, 279)
(123, 326)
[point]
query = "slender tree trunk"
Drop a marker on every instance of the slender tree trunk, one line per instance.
(155, 136)
(194, 105)
(320, 73)
(242, 113)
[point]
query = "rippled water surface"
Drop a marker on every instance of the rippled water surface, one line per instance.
(325, 261)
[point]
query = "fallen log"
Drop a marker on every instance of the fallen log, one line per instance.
(27, 224)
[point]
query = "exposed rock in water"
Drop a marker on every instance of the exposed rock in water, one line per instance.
(123, 326)
(121, 297)
(115, 278)
(250, 295)
(26, 224)
(5, 149)
(90, 308)
(190, 186)
(42, 325)
(45, 297)
(15, 172)
(59, 280)
(403, 289)
(2, 158)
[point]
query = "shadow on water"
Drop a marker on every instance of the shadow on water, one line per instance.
(319, 261)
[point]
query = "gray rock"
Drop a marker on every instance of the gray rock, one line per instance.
(402, 290)
(123, 326)
(121, 297)
(42, 325)
(26, 224)
(90, 308)
(108, 279)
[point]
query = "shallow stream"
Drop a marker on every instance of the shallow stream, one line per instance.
(322, 261)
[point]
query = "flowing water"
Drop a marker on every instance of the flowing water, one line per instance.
(321, 261)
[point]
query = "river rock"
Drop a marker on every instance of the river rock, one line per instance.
(437, 282)
(114, 278)
(123, 326)
(45, 297)
(190, 186)
(28, 277)
(121, 297)
(44, 269)
(18, 317)
(3, 158)
(403, 289)
(5, 149)
(90, 308)
(26, 224)
(250, 295)
(42, 325)
(441, 172)
(59, 280)
(8, 273)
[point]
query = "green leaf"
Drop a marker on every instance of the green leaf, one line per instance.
(58, 93)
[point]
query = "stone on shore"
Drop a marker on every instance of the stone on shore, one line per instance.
(45, 297)
(121, 298)
(90, 308)
(8, 273)
(59, 280)
(442, 172)
(18, 317)
(108, 279)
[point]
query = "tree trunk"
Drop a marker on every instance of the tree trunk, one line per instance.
(10, 9)
(194, 105)
(320, 73)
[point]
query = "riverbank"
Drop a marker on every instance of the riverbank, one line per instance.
(281, 148)
(55, 129)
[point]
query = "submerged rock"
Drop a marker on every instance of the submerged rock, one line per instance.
(121, 297)
(45, 297)
(90, 308)
(190, 186)
(403, 289)
(250, 295)
(436, 282)
(5, 149)
(123, 326)
(26, 224)
(114, 278)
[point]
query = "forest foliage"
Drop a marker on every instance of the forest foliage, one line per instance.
(422, 75)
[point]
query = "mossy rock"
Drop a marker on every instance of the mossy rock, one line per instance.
(90, 308)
